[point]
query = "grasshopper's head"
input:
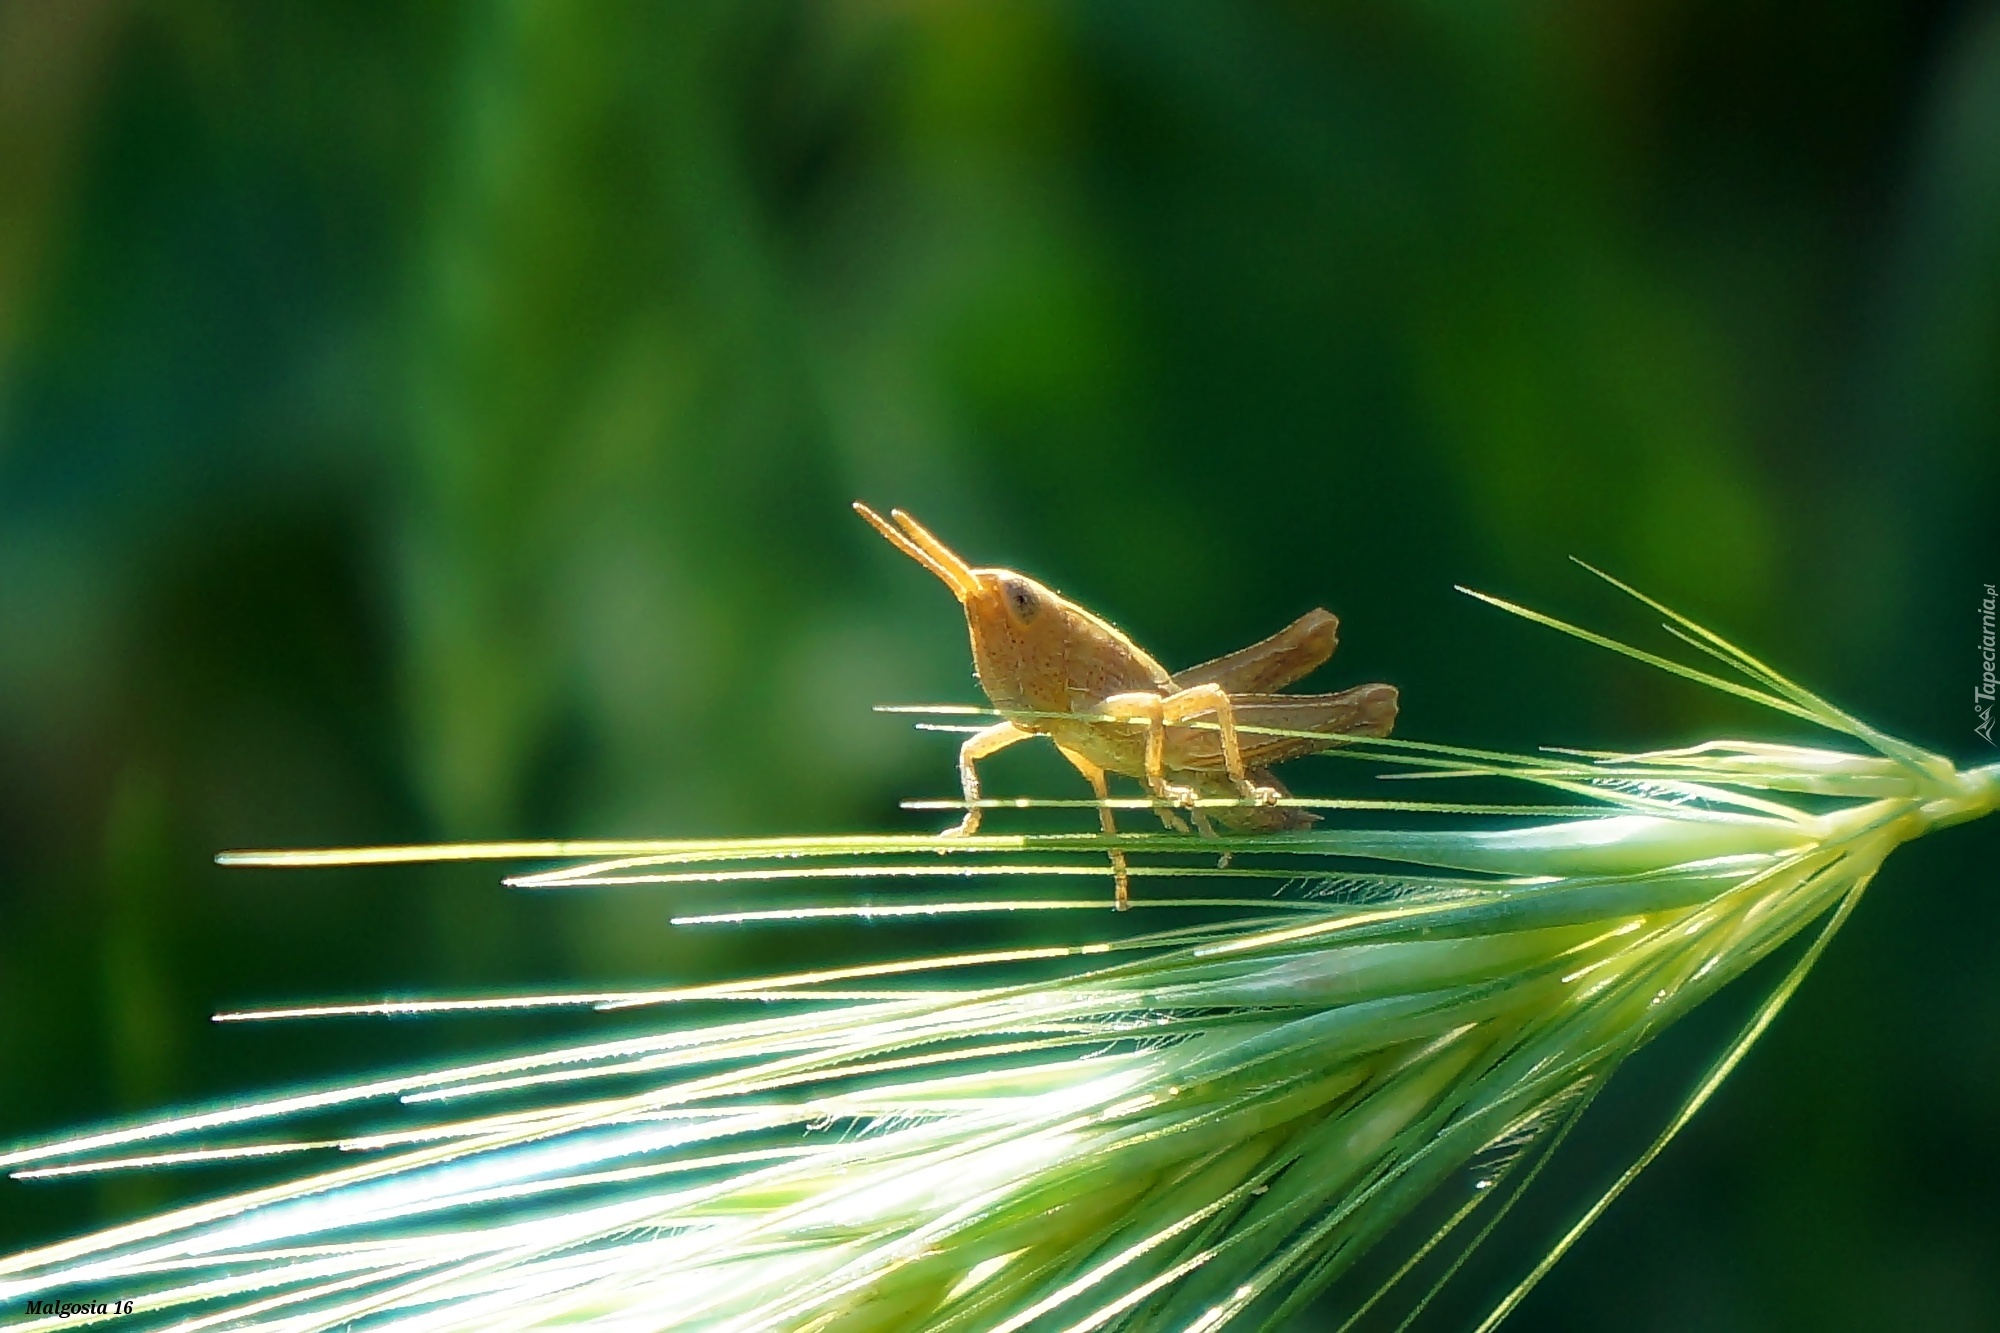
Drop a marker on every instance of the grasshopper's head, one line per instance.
(1021, 631)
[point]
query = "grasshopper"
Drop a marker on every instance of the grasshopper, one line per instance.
(1053, 669)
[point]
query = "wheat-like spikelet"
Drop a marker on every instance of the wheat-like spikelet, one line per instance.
(1200, 1126)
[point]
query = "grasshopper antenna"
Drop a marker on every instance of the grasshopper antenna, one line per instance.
(916, 541)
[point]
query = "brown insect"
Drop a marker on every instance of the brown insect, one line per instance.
(1037, 654)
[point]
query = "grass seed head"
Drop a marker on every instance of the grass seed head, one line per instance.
(1199, 1124)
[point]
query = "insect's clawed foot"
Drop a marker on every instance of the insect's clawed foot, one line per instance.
(964, 828)
(1261, 795)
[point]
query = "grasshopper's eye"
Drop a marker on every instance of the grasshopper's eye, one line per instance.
(1022, 603)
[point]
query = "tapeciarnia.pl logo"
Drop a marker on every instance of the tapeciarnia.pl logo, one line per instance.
(1982, 693)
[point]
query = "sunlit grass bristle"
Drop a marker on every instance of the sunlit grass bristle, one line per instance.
(1318, 1086)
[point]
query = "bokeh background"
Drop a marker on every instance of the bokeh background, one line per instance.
(438, 421)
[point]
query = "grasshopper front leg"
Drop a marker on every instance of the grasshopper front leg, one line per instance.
(978, 746)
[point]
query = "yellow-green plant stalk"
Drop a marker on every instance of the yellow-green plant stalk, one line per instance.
(1352, 1044)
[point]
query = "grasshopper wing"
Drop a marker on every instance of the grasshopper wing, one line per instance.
(1293, 653)
(1365, 710)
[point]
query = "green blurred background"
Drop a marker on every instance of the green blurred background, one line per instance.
(438, 421)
